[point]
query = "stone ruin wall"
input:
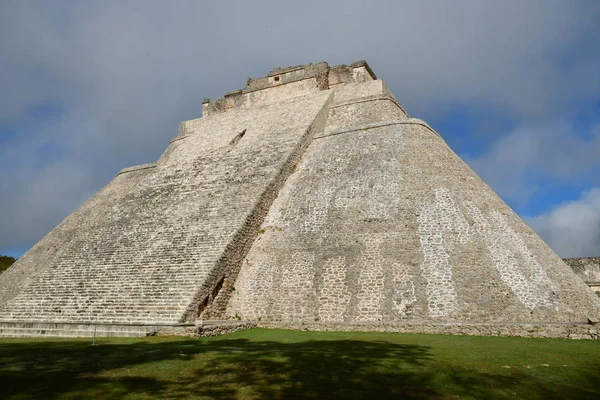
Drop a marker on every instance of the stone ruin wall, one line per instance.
(160, 242)
(588, 269)
(49, 249)
(383, 223)
(152, 244)
(283, 83)
(370, 219)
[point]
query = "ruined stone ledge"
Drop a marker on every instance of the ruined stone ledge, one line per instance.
(357, 64)
(52, 322)
(279, 70)
(98, 319)
(588, 269)
(531, 330)
(410, 121)
(320, 73)
(368, 99)
(69, 329)
(136, 168)
(177, 138)
(222, 328)
(264, 86)
(582, 260)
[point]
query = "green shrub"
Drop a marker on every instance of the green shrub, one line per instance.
(5, 262)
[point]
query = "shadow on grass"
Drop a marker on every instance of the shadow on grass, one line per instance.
(241, 368)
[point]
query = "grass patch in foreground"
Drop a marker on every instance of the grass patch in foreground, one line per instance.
(278, 364)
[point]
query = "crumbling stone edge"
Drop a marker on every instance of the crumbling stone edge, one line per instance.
(377, 97)
(137, 168)
(410, 121)
(200, 330)
(533, 330)
(215, 330)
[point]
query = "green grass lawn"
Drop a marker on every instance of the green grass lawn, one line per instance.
(278, 364)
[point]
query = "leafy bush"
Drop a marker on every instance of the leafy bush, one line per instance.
(5, 262)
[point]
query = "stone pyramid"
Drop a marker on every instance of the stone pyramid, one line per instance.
(309, 198)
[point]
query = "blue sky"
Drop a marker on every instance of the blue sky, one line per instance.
(91, 87)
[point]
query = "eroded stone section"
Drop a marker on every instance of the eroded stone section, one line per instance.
(539, 330)
(318, 209)
(341, 186)
(371, 280)
(404, 290)
(335, 295)
(527, 279)
(296, 298)
(441, 226)
(381, 204)
(376, 199)
(587, 268)
(255, 283)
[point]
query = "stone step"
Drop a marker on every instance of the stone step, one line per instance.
(145, 318)
(23, 333)
(22, 329)
(52, 329)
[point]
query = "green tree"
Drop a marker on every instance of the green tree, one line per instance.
(5, 262)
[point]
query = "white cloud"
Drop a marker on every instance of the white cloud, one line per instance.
(572, 229)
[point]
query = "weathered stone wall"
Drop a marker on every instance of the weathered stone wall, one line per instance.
(383, 223)
(537, 330)
(222, 328)
(157, 240)
(230, 262)
(588, 269)
(308, 200)
(284, 83)
(65, 235)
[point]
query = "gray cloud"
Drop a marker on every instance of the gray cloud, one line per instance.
(572, 229)
(121, 75)
(534, 153)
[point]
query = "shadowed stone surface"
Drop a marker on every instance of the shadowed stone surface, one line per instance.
(588, 269)
(309, 198)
